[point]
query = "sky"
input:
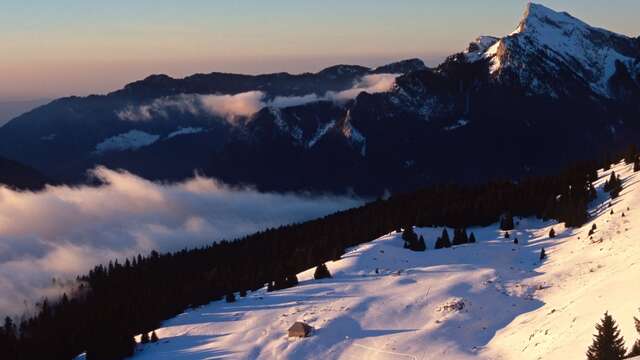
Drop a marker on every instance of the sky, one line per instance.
(76, 47)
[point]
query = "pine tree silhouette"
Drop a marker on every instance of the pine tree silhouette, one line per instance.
(321, 272)
(445, 239)
(422, 245)
(613, 186)
(291, 280)
(144, 339)
(543, 254)
(635, 349)
(552, 233)
(154, 337)
(607, 343)
(459, 237)
(472, 238)
(506, 221)
(631, 155)
(230, 298)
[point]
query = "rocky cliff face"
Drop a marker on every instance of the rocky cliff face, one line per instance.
(553, 53)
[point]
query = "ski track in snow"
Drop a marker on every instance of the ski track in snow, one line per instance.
(514, 306)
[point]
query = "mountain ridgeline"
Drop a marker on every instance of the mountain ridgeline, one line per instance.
(553, 92)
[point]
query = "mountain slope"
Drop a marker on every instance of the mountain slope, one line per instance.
(68, 136)
(553, 92)
(492, 300)
(556, 54)
(11, 109)
(16, 175)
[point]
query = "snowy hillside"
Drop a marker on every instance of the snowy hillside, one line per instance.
(492, 299)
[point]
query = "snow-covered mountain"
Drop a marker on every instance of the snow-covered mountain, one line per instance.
(490, 300)
(553, 92)
(556, 54)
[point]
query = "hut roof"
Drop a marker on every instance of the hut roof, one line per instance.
(300, 329)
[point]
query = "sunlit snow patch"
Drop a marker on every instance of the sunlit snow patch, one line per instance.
(185, 131)
(130, 140)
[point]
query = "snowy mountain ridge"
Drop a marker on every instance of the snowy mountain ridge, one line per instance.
(554, 74)
(490, 300)
(547, 43)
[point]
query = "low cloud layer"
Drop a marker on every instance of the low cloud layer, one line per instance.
(231, 107)
(225, 106)
(64, 231)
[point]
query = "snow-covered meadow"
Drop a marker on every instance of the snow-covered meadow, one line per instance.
(491, 300)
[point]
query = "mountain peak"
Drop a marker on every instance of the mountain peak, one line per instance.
(537, 16)
(549, 45)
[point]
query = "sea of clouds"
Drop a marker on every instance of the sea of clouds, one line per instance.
(64, 231)
(242, 105)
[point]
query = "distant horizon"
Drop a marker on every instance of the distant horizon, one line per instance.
(309, 66)
(71, 48)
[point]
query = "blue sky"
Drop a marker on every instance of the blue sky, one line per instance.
(54, 48)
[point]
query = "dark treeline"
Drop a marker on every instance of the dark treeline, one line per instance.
(117, 301)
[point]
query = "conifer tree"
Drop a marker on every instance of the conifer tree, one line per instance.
(459, 237)
(8, 339)
(422, 245)
(438, 244)
(154, 337)
(515, 241)
(631, 156)
(230, 297)
(608, 344)
(613, 186)
(144, 339)
(411, 239)
(506, 221)
(635, 349)
(321, 272)
(10, 329)
(291, 280)
(543, 254)
(507, 235)
(445, 239)
(552, 233)
(130, 346)
(472, 238)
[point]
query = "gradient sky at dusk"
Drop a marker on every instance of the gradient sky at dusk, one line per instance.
(64, 47)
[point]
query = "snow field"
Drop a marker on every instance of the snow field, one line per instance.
(489, 300)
